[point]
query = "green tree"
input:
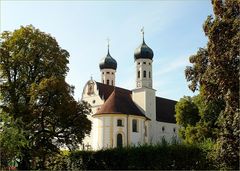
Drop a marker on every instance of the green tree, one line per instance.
(33, 68)
(215, 72)
(12, 139)
(187, 112)
(197, 118)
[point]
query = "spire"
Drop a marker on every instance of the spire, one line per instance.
(108, 40)
(142, 31)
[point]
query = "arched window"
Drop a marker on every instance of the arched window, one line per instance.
(144, 74)
(174, 130)
(149, 74)
(119, 140)
(138, 74)
(103, 81)
(134, 125)
(107, 82)
(112, 82)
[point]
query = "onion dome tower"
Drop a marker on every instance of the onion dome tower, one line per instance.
(143, 56)
(108, 66)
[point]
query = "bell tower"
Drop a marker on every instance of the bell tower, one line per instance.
(144, 95)
(143, 56)
(108, 67)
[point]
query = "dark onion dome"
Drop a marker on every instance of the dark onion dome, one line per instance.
(143, 52)
(108, 62)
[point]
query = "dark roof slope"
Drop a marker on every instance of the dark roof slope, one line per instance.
(120, 101)
(106, 90)
(165, 110)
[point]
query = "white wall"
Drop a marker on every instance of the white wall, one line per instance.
(143, 65)
(108, 130)
(108, 74)
(168, 132)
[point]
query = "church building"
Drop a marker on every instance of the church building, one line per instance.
(122, 117)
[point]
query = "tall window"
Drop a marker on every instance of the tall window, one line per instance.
(112, 82)
(138, 74)
(119, 140)
(144, 74)
(149, 74)
(107, 82)
(134, 125)
(119, 122)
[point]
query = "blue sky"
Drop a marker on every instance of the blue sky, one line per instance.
(173, 29)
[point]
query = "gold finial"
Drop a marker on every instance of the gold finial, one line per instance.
(142, 31)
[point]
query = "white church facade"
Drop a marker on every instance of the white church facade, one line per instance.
(122, 117)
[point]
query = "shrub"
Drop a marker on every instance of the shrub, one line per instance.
(146, 157)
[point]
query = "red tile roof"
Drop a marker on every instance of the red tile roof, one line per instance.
(119, 100)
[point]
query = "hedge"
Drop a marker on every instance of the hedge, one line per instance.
(147, 157)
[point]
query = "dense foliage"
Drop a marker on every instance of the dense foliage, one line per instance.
(12, 139)
(33, 89)
(159, 157)
(215, 72)
(197, 118)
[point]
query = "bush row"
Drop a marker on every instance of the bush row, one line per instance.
(160, 157)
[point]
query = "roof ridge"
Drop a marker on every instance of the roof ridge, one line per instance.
(114, 86)
(166, 98)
